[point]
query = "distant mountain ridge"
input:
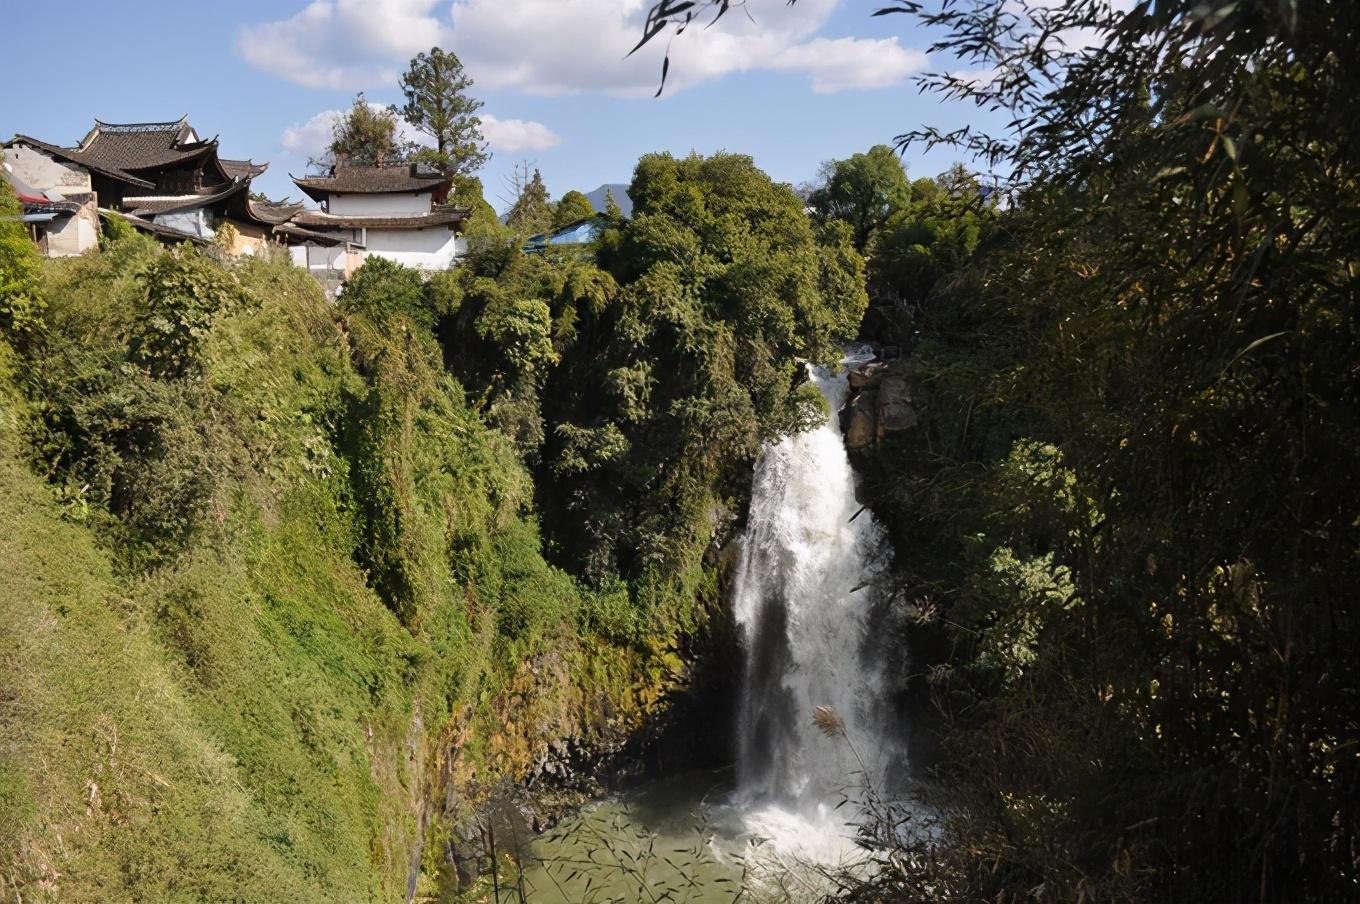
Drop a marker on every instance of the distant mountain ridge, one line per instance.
(597, 199)
(620, 189)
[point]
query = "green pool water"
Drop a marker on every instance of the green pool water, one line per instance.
(682, 840)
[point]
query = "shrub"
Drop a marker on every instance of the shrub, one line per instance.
(382, 289)
(21, 297)
(185, 292)
(225, 238)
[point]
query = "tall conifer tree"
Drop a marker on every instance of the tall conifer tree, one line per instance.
(438, 105)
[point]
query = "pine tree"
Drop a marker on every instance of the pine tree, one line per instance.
(531, 213)
(437, 105)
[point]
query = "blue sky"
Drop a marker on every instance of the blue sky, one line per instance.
(800, 85)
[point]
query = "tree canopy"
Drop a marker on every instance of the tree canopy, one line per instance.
(667, 389)
(641, 383)
(365, 135)
(572, 208)
(438, 105)
(863, 190)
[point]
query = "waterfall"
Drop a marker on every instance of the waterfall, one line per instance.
(805, 594)
(809, 597)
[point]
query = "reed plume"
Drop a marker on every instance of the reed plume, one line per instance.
(829, 722)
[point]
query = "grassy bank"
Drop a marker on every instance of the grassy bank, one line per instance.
(274, 599)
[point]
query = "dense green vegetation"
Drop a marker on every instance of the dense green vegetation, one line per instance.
(276, 603)
(277, 571)
(641, 383)
(1128, 522)
(913, 232)
(571, 208)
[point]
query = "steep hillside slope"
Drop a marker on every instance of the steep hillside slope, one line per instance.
(274, 606)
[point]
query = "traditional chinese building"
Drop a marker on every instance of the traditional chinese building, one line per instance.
(161, 176)
(397, 212)
(60, 224)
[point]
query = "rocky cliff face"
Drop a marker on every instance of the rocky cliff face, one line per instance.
(879, 404)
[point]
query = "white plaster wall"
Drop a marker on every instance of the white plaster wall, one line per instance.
(317, 257)
(87, 232)
(41, 172)
(63, 237)
(76, 234)
(383, 205)
(194, 222)
(435, 248)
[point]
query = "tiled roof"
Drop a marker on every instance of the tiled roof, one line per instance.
(142, 150)
(234, 169)
(273, 211)
(179, 128)
(371, 180)
(155, 204)
(294, 231)
(121, 150)
(441, 216)
(76, 156)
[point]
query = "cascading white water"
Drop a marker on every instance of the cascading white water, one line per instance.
(807, 594)
(805, 590)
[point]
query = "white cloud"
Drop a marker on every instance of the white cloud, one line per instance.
(346, 44)
(309, 139)
(845, 63)
(515, 135)
(564, 46)
(552, 47)
(977, 78)
(1077, 40)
